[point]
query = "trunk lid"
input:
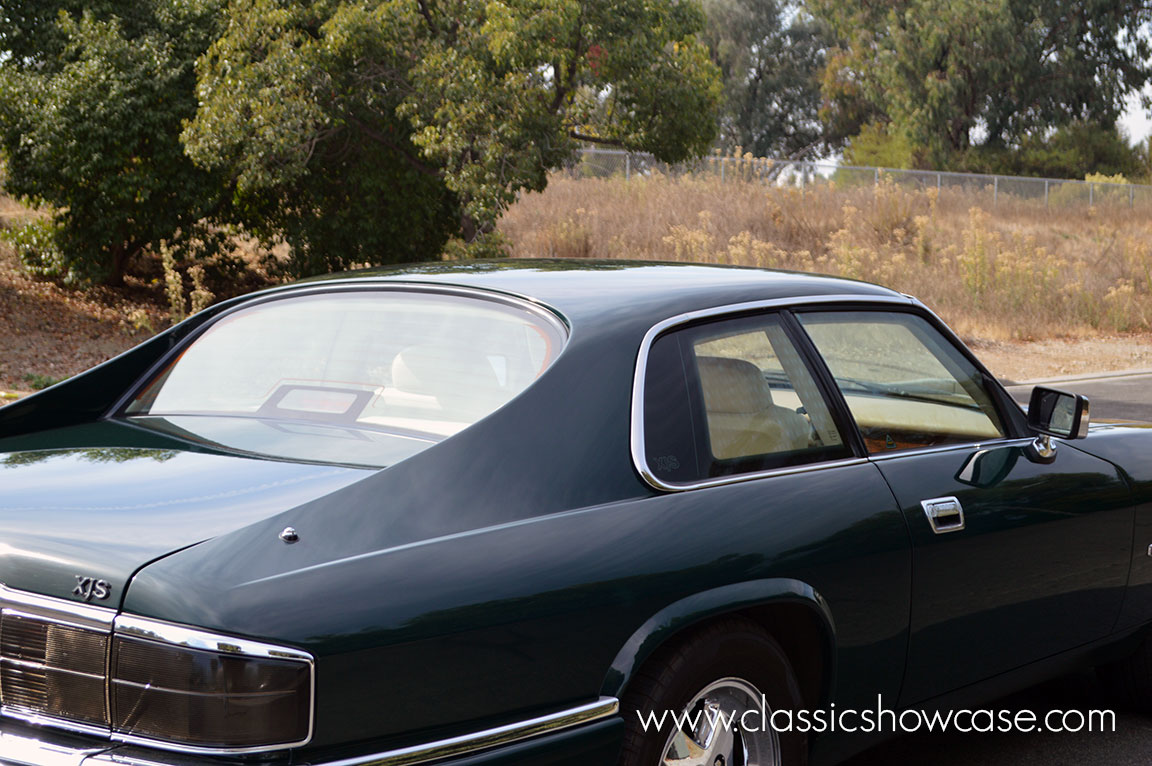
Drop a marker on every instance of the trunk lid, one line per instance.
(73, 517)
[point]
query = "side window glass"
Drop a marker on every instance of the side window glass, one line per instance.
(741, 396)
(906, 385)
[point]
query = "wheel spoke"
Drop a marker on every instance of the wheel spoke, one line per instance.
(711, 735)
(693, 745)
(685, 751)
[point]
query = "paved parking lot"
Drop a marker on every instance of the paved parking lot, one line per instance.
(1129, 745)
(1124, 397)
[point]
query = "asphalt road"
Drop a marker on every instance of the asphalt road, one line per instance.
(1129, 745)
(1123, 397)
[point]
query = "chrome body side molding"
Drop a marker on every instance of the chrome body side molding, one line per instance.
(21, 750)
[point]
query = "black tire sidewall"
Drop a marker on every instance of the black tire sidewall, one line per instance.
(748, 655)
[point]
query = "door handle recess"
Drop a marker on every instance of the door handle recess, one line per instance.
(945, 514)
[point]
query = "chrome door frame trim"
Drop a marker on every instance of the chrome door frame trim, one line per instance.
(639, 455)
(987, 444)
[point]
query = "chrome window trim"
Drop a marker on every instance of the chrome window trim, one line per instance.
(735, 478)
(639, 456)
(488, 738)
(1003, 441)
(990, 444)
(367, 285)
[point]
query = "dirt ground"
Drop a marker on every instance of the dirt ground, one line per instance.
(53, 332)
(1021, 361)
(48, 331)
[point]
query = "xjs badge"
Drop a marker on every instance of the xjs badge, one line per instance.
(89, 588)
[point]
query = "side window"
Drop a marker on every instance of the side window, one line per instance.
(906, 385)
(733, 397)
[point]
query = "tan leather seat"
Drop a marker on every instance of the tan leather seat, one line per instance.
(462, 381)
(742, 420)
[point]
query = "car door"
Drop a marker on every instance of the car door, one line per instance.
(1015, 557)
(768, 478)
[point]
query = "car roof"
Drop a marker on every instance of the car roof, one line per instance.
(646, 290)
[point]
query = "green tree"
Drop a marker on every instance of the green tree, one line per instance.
(874, 147)
(91, 105)
(953, 74)
(29, 34)
(1073, 151)
(372, 131)
(771, 56)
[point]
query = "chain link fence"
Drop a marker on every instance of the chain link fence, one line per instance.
(993, 190)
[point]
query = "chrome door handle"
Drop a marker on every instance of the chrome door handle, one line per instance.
(945, 514)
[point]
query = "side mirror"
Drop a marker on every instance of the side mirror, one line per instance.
(1058, 413)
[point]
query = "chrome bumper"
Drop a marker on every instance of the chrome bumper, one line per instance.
(27, 747)
(20, 750)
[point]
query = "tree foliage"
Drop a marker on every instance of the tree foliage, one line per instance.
(1076, 150)
(91, 104)
(875, 147)
(953, 74)
(771, 57)
(368, 131)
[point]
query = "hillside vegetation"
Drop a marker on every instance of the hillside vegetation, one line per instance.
(1037, 293)
(1016, 272)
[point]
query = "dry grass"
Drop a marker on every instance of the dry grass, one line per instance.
(49, 331)
(1018, 272)
(1075, 281)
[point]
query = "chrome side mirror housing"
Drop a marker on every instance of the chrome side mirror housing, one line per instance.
(1056, 413)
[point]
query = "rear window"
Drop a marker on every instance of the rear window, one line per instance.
(370, 376)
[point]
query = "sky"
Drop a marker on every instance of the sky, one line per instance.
(1137, 121)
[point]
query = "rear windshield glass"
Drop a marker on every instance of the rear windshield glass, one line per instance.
(410, 368)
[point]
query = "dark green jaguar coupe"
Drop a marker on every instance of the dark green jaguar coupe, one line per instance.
(550, 513)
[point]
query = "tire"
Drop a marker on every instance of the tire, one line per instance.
(1129, 681)
(725, 666)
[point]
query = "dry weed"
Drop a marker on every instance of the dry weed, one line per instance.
(1016, 271)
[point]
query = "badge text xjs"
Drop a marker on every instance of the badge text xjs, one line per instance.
(90, 588)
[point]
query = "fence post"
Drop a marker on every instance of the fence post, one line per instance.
(1131, 196)
(1091, 194)
(995, 189)
(876, 173)
(1045, 192)
(627, 167)
(722, 163)
(937, 182)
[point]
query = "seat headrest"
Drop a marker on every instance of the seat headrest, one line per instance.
(444, 372)
(733, 385)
